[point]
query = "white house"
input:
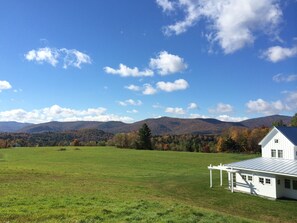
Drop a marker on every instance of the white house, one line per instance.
(274, 175)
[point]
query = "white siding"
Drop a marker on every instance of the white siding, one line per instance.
(283, 144)
(285, 192)
(254, 186)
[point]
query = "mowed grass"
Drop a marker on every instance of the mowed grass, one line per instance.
(105, 184)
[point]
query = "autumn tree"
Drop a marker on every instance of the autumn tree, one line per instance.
(294, 120)
(145, 136)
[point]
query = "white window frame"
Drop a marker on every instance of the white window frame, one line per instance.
(250, 178)
(273, 153)
(280, 153)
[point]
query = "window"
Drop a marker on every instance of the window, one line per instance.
(261, 180)
(267, 181)
(243, 177)
(275, 140)
(250, 178)
(279, 153)
(287, 183)
(294, 184)
(278, 181)
(273, 153)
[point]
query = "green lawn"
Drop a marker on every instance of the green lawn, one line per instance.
(104, 184)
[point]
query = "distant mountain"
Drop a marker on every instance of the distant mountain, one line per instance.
(12, 126)
(266, 121)
(158, 126)
(68, 126)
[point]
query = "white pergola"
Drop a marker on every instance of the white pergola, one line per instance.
(221, 167)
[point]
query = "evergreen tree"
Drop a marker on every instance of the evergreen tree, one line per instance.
(145, 137)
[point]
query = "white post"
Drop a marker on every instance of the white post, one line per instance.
(232, 189)
(229, 180)
(221, 175)
(210, 176)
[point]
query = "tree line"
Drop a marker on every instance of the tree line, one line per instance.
(234, 139)
(85, 137)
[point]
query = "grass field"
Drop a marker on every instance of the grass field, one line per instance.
(104, 184)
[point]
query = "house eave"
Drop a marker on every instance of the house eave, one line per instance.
(267, 172)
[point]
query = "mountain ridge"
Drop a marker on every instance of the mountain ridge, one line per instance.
(158, 126)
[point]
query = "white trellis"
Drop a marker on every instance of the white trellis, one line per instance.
(222, 168)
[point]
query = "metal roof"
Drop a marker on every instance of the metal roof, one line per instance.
(268, 165)
(289, 132)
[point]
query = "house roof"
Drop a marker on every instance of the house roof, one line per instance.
(289, 132)
(268, 165)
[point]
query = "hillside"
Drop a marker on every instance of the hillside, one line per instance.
(158, 126)
(12, 126)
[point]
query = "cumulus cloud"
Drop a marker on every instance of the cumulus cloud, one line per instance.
(277, 53)
(232, 23)
(148, 89)
(130, 102)
(57, 113)
(198, 116)
(192, 106)
(179, 84)
(284, 78)
(266, 108)
(227, 118)
(69, 57)
(166, 5)
(5, 85)
(133, 111)
(125, 71)
(175, 111)
(133, 87)
(167, 63)
(221, 108)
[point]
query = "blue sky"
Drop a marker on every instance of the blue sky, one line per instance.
(130, 60)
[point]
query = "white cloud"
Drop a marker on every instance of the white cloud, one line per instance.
(277, 53)
(133, 87)
(198, 116)
(125, 71)
(48, 55)
(221, 108)
(284, 78)
(75, 58)
(133, 111)
(57, 113)
(176, 111)
(5, 85)
(232, 23)
(167, 63)
(130, 102)
(291, 100)
(69, 57)
(227, 118)
(266, 108)
(149, 89)
(192, 106)
(180, 84)
(166, 5)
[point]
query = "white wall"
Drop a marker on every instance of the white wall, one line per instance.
(283, 144)
(285, 192)
(254, 186)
